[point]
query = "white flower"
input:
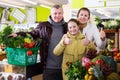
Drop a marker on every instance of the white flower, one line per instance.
(104, 23)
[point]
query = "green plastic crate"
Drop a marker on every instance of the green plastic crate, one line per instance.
(18, 56)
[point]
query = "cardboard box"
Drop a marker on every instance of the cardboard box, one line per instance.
(8, 68)
(14, 69)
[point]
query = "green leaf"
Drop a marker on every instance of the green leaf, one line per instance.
(75, 71)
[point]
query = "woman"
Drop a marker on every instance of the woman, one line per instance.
(73, 45)
(91, 30)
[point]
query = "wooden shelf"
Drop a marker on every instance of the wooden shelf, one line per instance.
(113, 34)
(110, 30)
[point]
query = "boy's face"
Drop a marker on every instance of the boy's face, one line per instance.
(57, 14)
(73, 28)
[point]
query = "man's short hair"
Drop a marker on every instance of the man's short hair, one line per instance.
(57, 6)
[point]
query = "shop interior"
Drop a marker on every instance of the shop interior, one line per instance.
(24, 15)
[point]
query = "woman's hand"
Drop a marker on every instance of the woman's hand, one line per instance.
(67, 40)
(85, 41)
(102, 34)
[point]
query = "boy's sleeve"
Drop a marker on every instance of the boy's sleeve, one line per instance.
(91, 45)
(58, 50)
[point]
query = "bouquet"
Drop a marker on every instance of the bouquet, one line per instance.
(75, 70)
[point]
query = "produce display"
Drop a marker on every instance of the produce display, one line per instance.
(94, 66)
(75, 70)
(4, 35)
(20, 50)
(17, 42)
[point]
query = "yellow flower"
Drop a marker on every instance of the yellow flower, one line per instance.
(27, 40)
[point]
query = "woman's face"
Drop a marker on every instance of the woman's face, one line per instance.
(83, 16)
(73, 28)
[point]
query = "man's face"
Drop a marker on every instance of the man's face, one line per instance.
(57, 14)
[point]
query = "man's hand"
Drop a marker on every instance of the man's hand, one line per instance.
(13, 35)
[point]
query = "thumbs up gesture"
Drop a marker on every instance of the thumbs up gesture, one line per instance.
(67, 40)
(102, 34)
(85, 41)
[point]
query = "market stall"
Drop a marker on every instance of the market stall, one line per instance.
(19, 56)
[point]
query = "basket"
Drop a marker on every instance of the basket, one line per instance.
(18, 56)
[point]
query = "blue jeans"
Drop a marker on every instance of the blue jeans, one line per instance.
(29, 78)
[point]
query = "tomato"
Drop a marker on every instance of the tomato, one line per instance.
(100, 62)
(25, 45)
(31, 45)
(115, 50)
(29, 52)
(89, 64)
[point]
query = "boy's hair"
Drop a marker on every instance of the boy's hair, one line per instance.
(74, 20)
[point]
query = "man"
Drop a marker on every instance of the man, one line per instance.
(50, 32)
(58, 27)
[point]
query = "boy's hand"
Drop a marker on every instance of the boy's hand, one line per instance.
(67, 40)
